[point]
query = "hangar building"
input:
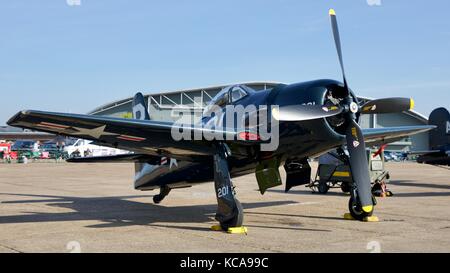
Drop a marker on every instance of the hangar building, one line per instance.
(161, 105)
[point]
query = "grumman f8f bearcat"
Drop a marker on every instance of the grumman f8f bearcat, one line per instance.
(311, 118)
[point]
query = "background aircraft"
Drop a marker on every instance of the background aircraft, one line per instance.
(439, 139)
(9, 133)
(313, 117)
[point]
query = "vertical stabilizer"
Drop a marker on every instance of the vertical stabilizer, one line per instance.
(440, 137)
(140, 110)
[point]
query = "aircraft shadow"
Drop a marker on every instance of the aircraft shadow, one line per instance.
(332, 192)
(120, 211)
(410, 183)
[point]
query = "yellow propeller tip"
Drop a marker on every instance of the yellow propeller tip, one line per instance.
(367, 208)
(411, 104)
(276, 113)
(332, 12)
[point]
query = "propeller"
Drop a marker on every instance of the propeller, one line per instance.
(388, 105)
(356, 146)
(337, 42)
(308, 112)
(349, 109)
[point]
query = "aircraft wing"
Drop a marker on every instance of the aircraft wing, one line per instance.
(379, 136)
(423, 152)
(140, 136)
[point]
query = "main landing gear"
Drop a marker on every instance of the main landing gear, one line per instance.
(230, 212)
(164, 191)
(358, 212)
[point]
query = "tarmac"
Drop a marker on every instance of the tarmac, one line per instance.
(62, 207)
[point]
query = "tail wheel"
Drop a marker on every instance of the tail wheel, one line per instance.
(323, 187)
(157, 198)
(356, 210)
(237, 220)
(345, 187)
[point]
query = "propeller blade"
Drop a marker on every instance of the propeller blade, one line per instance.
(388, 105)
(359, 165)
(337, 41)
(304, 112)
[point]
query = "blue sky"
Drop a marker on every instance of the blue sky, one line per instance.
(58, 57)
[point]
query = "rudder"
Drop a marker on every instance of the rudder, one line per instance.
(440, 137)
(140, 110)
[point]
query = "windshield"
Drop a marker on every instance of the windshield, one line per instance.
(237, 93)
(49, 146)
(229, 94)
(220, 100)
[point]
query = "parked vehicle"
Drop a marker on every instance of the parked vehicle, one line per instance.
(23, 145)
(51, 150)
(22, 149)
(391, 156)
(5, 151)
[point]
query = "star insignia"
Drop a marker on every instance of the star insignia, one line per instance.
(94, 132)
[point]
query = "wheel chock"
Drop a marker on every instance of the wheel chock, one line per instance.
(232, 230)
(216, 228)
(371, 219)
(348, 216)
(237, 230)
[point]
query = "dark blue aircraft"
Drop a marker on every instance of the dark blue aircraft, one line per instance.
(310, 119)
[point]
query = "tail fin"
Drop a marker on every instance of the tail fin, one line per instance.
(140, 107)
(440, 137)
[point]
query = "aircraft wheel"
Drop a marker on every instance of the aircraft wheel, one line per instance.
(237, 220)
(157, 198)
(323, 188)
(356, 210)
(345, 187)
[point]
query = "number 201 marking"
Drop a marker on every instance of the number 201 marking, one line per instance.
(223, 191)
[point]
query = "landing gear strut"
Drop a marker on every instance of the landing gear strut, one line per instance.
(230, 213)
(164, 191)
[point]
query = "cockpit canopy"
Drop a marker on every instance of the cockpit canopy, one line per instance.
(228, 95)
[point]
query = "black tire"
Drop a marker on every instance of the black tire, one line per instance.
(157, 199)
(323, 188)
(237, 220)
(345, 187)
(356, 211)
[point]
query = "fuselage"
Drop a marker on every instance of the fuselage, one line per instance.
(297, 140)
